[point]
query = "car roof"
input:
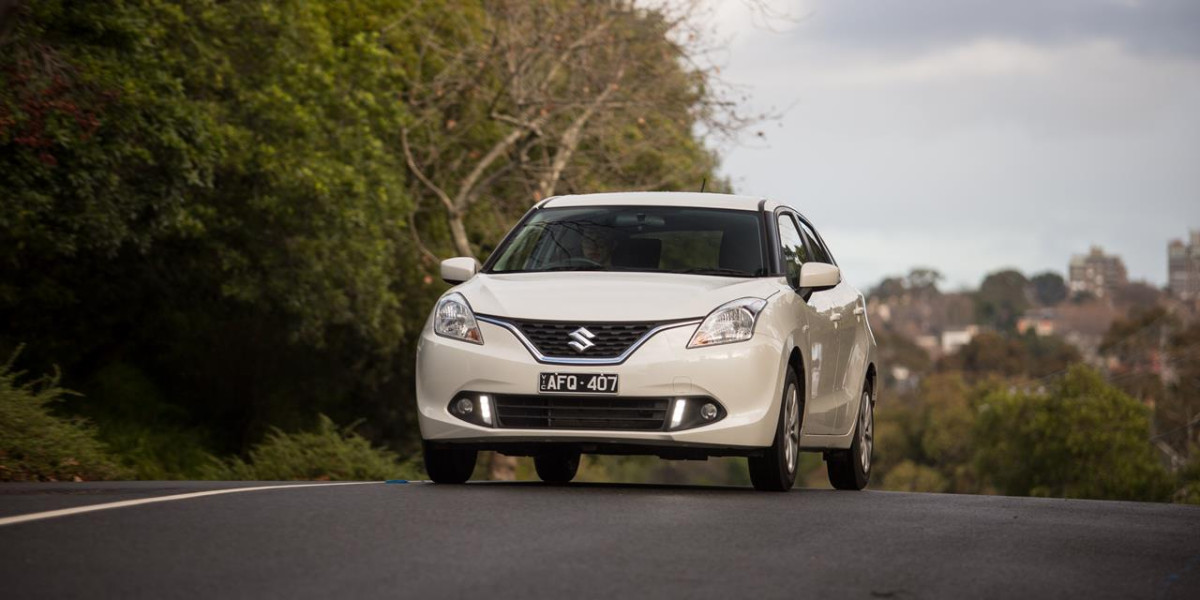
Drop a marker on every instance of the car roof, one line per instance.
(696, 199)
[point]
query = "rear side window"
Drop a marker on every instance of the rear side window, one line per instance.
(792, 249)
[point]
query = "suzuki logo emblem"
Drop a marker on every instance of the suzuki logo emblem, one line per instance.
(582, 339)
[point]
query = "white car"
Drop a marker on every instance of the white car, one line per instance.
(681, 325)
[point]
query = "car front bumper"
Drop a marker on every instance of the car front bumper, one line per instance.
(744, 377)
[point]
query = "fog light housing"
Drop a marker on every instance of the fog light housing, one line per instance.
(686, 413)
(465, 406)
(474, 408)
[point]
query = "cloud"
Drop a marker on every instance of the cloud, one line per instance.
(981, 137)
(1149, 26)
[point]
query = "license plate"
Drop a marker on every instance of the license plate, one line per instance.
(577, 383)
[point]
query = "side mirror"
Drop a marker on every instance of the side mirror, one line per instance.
(458, 270)
(817, 276)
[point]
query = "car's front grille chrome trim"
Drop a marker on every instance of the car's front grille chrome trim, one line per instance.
(581, 360)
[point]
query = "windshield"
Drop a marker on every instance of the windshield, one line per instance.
(665, 239)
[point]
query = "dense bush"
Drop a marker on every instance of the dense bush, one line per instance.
(1082, 439)
(37, 445)
(1189, 481)
(326, 453)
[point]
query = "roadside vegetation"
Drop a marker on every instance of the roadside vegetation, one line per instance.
(1113, 415)
(38, 445)
(326, 453)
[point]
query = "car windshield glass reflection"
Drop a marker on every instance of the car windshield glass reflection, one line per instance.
(649, 239)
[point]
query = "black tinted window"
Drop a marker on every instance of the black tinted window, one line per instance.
(623, 238)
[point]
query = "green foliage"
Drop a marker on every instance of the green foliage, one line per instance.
(898, 350)
(99, 147)
(1027, 356)
(920, 282)
(1001, 299)
(151, 436)
(925, 443)
(326, 453)
(36, 444)
(1049, 288)
(1188, 491)
(1083, 439)
(911, 477)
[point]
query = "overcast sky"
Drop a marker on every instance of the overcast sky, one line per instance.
(973, 135)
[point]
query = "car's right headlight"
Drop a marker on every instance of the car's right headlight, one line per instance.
(453, 318)
(731, 322)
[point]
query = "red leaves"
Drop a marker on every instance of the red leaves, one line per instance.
(40, 99)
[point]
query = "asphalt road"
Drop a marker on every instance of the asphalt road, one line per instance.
(519, 540)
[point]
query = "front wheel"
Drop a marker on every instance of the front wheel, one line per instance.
(449, 464)
(775, 470)
(850, 469)
(558, 466)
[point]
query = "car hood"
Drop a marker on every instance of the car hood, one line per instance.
(605, 296)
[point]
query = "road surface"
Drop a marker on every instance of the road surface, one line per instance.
(521, 540)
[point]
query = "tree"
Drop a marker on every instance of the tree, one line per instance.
(924, 443)
(890, 288)
(205, 196)
(1178, 416)
(586, 94)
(1027, 356)
(1001, 299)
(1083, 439)
(924, 280)
(1049, 288)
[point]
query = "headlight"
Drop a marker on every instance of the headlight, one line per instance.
(453, 318)
(731, 322)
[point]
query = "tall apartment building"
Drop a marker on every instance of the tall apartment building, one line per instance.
(1096, 273)
(1183, 267)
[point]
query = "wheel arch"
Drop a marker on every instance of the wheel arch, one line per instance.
(871, 380)
(796, 363)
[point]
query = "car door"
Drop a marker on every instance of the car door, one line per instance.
(820, 333)
(848, 321)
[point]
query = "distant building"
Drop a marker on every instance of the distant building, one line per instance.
(1096, 273)
(953, 339)
(1183, 267)
(931, 344)
(1041, 321)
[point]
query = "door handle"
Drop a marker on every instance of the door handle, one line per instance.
(835, 317)
(858, 311)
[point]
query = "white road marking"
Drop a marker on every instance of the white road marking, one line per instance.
(50, 514)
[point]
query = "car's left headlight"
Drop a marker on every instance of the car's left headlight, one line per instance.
(731, 322)
(453, 318)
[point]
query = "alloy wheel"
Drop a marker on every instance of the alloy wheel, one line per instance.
(866, 431)
(792, 422)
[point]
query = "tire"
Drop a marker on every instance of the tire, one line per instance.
(558, 466)
(449, 464)
(850, 469)
(775, 470)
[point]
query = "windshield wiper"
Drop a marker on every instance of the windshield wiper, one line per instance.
(570, 268)
(716, 271)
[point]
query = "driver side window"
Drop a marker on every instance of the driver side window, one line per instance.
(792, 249)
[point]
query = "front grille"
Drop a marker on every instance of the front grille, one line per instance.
(573, 412)
(553, 338)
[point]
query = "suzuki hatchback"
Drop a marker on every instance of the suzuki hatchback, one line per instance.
(680, 325)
